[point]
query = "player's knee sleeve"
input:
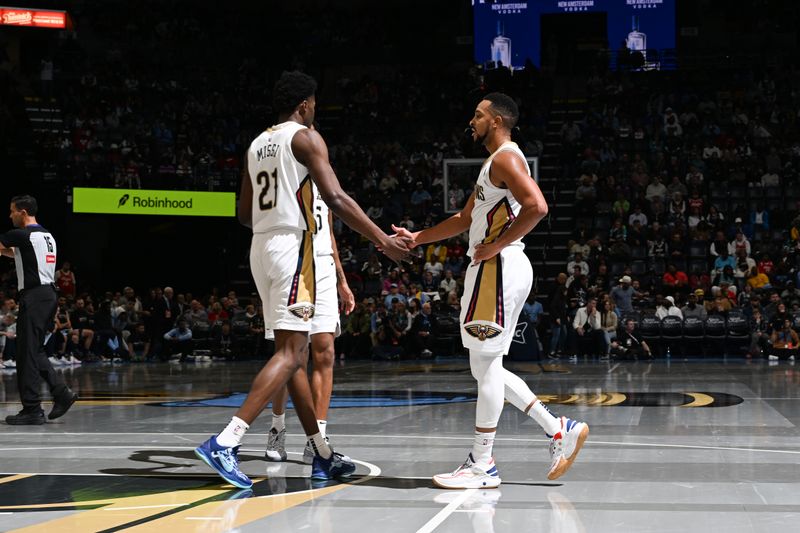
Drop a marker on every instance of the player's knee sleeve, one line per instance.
(488, 371)
(517, 391)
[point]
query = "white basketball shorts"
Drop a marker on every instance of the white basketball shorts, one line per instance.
(494, 293)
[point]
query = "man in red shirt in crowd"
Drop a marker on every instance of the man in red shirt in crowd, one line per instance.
(674, 280)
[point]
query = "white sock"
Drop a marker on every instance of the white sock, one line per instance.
(323, 427)
(232, 435)
(549, 422)
(482, 447)
(278, 422)
(319, 446)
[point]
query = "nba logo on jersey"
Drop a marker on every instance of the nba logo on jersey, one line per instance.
(50, 258)
(304, 311)
(482, 331)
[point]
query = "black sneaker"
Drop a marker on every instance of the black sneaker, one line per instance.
(61, 405)
(34, 418)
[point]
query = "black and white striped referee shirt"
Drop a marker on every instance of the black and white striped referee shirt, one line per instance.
(34, 255)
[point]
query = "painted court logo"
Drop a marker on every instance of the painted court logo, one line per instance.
(123, 200)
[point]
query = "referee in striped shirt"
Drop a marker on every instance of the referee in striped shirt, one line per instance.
(34, 251)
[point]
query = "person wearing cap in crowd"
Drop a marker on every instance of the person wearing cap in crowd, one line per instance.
(668, 308)
(622, 296)
(692, 309)
(394, 292)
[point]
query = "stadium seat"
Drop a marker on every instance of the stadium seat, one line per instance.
(738, 330)
(672, 332)
(638, 253)
(693, 335)
(650, 329)
(716, 333)
(698, 250)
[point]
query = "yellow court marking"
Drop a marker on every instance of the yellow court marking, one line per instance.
(222, 516)
(700, 399)
(119, 511)
(15, 477)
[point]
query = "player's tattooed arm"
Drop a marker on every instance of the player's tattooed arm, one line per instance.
(509, 171)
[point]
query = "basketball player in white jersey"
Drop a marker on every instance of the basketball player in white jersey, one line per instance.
(505, 206)
(325, 327)
(277, 202)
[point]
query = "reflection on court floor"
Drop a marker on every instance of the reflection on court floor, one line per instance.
(690, 446)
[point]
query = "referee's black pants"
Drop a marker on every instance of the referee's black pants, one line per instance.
(37, 307)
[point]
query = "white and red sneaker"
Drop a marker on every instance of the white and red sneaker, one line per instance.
(470, 475)
(565, 445)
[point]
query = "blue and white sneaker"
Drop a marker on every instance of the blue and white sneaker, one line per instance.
(565, 445)
(338, 466)
(470, 475)
(225, 461)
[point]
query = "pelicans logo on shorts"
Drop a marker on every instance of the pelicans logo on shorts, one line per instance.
(482, 331)
(306, 312)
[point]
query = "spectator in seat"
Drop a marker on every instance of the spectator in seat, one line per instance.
(692, 309)
(719, 245)
(579, 262)
(744, 265)
(637, 215)
(82, 328)
(355, 337)
(423, 331)
(224, 342)
(435, 267)
(587, 331)
(759, 218)
(437, 251)
(667, 308)
(609, 322)
(760, 335)
(65, 280)
(421, 200)
(622, 296)
(656, 189)
(178, 340)
(217, 316)
(197, 313)
(400, 322)
(739, 243)
(139, 343)
(448, 284)
(674, 280)
(724, 260)
(784, 342)
(394, 294)
(629, 344)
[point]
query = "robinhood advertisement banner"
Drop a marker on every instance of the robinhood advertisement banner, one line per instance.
(151, 202)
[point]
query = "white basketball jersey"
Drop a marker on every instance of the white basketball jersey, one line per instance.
(283, 193)
(322, 238)
(495, 209)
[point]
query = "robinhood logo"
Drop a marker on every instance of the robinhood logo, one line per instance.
(155, 201)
